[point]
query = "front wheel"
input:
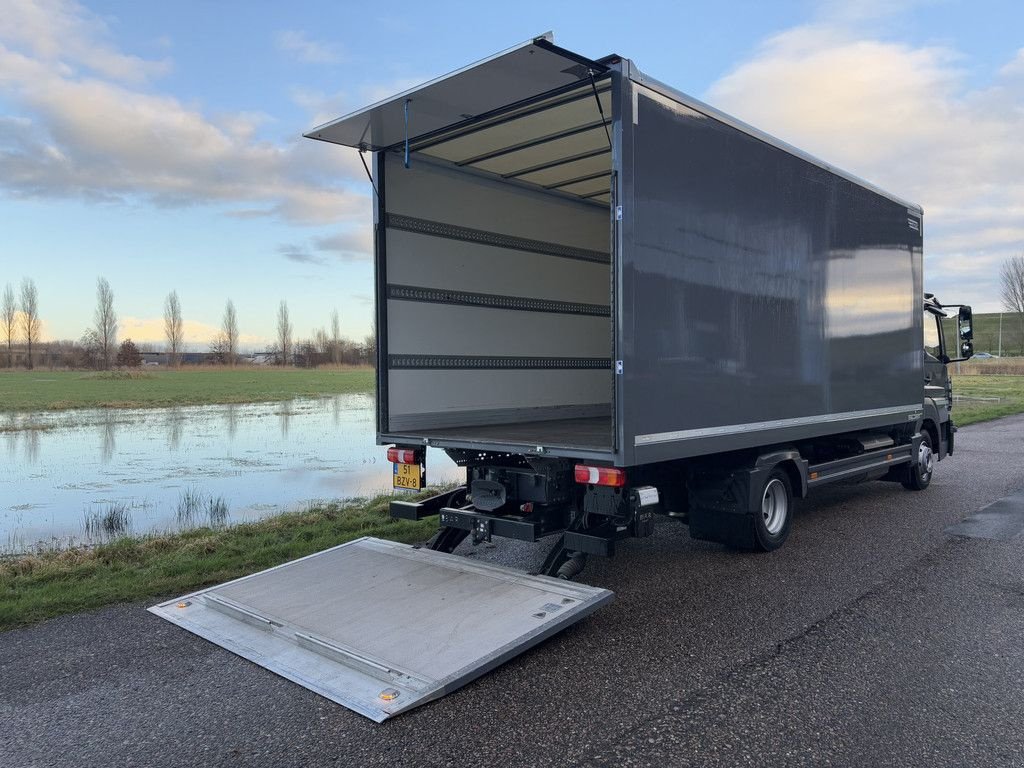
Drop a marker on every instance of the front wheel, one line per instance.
(772, 521)
(919, 473)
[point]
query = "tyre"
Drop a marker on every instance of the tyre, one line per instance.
(772, 521)
(919, 473)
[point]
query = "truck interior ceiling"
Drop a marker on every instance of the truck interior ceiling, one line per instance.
(497, 274)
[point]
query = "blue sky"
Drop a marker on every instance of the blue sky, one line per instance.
(158, 144)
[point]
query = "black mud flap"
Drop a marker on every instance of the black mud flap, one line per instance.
(721, 506)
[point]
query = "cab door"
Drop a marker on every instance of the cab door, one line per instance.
(936, 378)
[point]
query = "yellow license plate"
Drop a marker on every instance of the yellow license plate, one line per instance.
(408, 476)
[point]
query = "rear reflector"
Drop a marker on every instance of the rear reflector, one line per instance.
(600, 475)
(403, 456)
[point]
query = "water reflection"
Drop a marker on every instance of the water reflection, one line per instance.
(108, 431)
(238, 462)
(31, 440)
(231, 419)
(174, 426)
(285, 417)
(10, 435)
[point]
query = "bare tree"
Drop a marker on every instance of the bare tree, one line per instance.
(219, 348)
(284, 333)
(370, 344)
(30, 323)
(322, 342)
(9, 321)
(335, 338)
(106, 321)
(1011, 278)
(173, 327)
(92, 349)
(229, 330)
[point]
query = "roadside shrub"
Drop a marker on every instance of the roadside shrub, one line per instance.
(128, 355)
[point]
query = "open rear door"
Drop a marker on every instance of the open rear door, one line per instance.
(382, 627)
(524, 72)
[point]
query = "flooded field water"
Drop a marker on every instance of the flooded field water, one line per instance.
(79, 476)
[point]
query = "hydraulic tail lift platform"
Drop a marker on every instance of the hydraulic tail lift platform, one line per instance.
(381, 627)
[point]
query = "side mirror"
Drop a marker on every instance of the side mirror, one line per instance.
(965, 325)
(966, 349)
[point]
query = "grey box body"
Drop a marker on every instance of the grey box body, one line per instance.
(763, 297)
(728, 291)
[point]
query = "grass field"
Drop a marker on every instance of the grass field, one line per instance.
(42, 390)
(1008, 389)
(36, 587)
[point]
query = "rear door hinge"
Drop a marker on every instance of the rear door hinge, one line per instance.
(618, 213)
(618, 367)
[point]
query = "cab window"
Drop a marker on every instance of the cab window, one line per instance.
(932, 339)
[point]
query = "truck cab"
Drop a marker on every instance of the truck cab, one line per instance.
(937, 420)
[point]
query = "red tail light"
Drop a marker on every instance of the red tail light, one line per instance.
(403, 456)
(600, 476)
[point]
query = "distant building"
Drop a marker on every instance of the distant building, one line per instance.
(154, 358)
(185, 358)
(264, 358)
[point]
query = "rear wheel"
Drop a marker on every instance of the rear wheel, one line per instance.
(772, 521)
(919, 472)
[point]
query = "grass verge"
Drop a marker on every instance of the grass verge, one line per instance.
(1008, 389)
(42, 390)
(40, 586)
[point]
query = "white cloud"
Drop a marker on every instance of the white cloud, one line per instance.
(299, 254)
(306, 50)
(1015, 67)
(59, 31)
(348, 245)
(90, 127)
(353, 243)
(904, 118)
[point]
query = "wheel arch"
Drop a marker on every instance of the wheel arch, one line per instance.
(928, 425)
(792, 463)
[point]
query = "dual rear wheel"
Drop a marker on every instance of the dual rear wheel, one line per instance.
(772, 522)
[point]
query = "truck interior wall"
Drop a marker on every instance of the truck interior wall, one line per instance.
(762, 291)
(482, 273)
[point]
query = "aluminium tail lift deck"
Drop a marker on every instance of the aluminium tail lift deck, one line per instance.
(381, 627)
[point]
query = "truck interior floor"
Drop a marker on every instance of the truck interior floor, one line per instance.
(590, 433)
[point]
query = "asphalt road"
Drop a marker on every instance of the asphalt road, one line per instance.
(874, 637)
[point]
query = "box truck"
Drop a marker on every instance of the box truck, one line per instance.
(608, 301)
